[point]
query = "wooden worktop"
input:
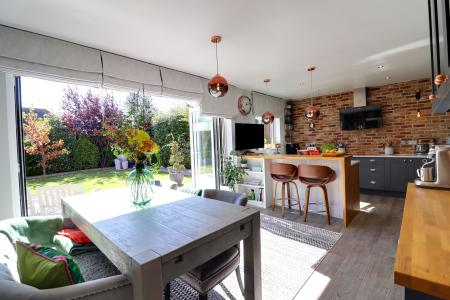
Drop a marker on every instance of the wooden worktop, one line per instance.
(422, 262)
(296, 156)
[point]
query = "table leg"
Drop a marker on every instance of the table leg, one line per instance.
(147, 278)
(252, 262)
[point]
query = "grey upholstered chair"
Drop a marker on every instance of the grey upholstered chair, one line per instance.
(206, 276)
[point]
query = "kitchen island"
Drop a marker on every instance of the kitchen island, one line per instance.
(343, 192)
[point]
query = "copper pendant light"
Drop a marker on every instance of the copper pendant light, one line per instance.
(312, 113)
(267, 117)
(217, 86)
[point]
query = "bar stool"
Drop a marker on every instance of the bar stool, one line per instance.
(286, 174)
(316, 176)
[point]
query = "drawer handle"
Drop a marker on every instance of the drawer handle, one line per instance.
(373, 170)
(410, 160)
(372, 160)
(404, 160)
(373, 182)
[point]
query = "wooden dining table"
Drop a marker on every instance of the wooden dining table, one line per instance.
(174, 234)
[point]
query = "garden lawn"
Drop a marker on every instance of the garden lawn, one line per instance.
(102, 179)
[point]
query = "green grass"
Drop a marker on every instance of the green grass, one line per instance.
(99, 179)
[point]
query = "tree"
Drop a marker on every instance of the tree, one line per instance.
(37, 140)
(174, 123)
(84, 115)
(139, 111)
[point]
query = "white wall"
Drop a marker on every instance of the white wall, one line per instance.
(227, 107)
(9, 180)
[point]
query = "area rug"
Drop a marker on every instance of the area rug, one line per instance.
(289, 254)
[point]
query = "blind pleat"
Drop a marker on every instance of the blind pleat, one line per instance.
(129, 74)
(181, 85)
(25, 53)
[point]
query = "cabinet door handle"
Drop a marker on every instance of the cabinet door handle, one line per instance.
(373, 170)
(372, 160)
(404, 160)
(410, 160)
(373, 182)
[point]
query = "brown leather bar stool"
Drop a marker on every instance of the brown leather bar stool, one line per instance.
(316, 176)
(286, 174)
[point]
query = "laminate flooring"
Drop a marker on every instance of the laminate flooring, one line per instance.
(360, 265)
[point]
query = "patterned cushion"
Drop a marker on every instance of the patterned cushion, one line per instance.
(191, 190)
(45, 268)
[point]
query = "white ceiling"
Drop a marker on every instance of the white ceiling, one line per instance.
(345, 39)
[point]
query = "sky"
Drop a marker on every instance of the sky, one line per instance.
(48, 94)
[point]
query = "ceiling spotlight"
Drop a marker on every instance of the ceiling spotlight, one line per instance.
(388, 77)
(380, 67)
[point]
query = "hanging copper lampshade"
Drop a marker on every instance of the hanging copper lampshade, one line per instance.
(311, 112)
(217, 86)
(267, 117)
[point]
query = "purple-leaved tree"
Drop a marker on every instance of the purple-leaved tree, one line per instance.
(83, 114)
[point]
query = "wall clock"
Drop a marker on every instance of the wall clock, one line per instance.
(245, 105)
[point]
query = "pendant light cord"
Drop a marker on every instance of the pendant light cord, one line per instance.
(311, 86)
(217, 60)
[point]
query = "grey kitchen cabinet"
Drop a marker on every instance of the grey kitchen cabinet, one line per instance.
(390, 174)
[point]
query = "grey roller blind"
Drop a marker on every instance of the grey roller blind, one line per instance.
(181, 85)
(30, 54)
(123, 73)
(263, 103)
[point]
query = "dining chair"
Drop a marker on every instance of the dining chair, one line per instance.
(206, 276)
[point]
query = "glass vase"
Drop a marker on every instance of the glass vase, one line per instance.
(140, 182)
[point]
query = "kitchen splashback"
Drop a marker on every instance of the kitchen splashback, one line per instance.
(400, 122)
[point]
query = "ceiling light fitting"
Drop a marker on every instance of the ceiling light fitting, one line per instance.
(267, 117)
(380, 67)
(218, 85)
(311, 113)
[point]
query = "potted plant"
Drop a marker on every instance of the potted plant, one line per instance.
(243, 163)
(231, 173)
(176, 169)
(388, 147)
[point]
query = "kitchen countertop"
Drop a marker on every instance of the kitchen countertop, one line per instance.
(394, 155)
(296, 156)
(422, 262)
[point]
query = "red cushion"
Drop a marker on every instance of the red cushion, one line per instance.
(76, 235)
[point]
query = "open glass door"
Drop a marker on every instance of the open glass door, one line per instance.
(202, 151)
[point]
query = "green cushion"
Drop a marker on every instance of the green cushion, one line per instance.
(45, 268)
(37, 230)
(191, 190)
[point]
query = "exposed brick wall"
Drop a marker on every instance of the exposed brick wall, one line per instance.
(400, 123)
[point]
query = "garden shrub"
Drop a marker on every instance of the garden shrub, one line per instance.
(86, 155)
(174, 122)
(59, 131)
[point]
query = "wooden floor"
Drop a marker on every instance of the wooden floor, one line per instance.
(360, 265)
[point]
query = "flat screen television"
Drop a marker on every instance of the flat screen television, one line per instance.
(358, 118)
(248, 136)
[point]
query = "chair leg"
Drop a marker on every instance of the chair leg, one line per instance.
(239, 279)
(167, 292)
(289, 195)
(327, 207)
(282, 199)
(307, 201)
(298, 198)
(274, 203)
(203, 296)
